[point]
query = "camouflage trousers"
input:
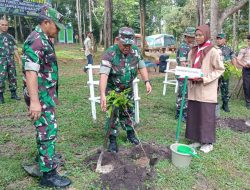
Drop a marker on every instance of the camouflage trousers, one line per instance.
(178, 100)
(122, 118)
(46, 134)
(224, 85)
(8, 70)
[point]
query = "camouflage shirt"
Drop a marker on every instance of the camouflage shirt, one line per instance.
(7, 45)
(227, 53)
(39, 56)
(182, 52)
(121, 69)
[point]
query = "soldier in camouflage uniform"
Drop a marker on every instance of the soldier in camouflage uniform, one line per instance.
(119, 67)
(181, 58)
(41, 93)
(228, 55)
(8, 50)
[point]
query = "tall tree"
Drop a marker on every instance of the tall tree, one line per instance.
(20, 28)
(15, 26)
(90, 16)
(218, 17)
(142, 24)
(200, 12)
(79, 20)
(108, 23)
(84, 20)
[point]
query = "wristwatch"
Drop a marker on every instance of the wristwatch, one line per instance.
(147, 81)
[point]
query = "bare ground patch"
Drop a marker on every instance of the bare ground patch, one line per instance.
(237, 125)
(129, 171)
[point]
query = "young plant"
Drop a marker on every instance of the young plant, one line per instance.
(231, 70)
(121, 101)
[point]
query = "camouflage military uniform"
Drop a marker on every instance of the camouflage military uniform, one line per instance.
(181, 55)
(121, 72)
(39, 56)
(7, 61)
(228, 55)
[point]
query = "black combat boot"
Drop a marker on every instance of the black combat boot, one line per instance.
(132, 138)
(112, 144)
(1, 98)
(14, 95)
(52, 179)
(225, 107)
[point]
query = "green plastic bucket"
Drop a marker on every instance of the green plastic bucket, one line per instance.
(180, 160)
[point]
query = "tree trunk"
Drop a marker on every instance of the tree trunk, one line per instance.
(101, 36)
(21, 28)
(229, 11)
(217, 19)
(200, 12)
(214, 19)
(108, 23)
(15, 26)
(142, 23)
(235, 37)
(29, 24)
(84, 21)
(79, 20)
(90, 16)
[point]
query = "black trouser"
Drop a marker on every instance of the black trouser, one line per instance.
(246, 83)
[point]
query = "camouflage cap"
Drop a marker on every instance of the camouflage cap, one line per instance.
(48, 12)
(126, 35)
(190, 31)
(221, 35)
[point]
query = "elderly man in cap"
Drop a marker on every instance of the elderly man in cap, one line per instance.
(119, 67)
(40, 72)
(228, 55)
(181, 58)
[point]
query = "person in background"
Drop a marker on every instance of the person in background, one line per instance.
(89, 49)
(181, 58)
(40, 75)
(228, 55)
(244, 60)
(119, 67)
(202, 91)
(8, 50)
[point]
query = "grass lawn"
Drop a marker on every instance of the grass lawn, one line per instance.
(226, 167)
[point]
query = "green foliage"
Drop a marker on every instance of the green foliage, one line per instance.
(120, 101)
(231, 70)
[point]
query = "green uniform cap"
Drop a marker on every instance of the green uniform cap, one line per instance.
(52, 14)
(221, 35)
(126, 35)
(190, 31)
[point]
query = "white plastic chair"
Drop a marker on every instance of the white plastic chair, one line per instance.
(172, 81)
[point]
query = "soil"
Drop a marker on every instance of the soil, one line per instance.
(131, 168)
(238, 125)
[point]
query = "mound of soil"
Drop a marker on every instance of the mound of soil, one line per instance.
(238, 125)
(131, 168)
